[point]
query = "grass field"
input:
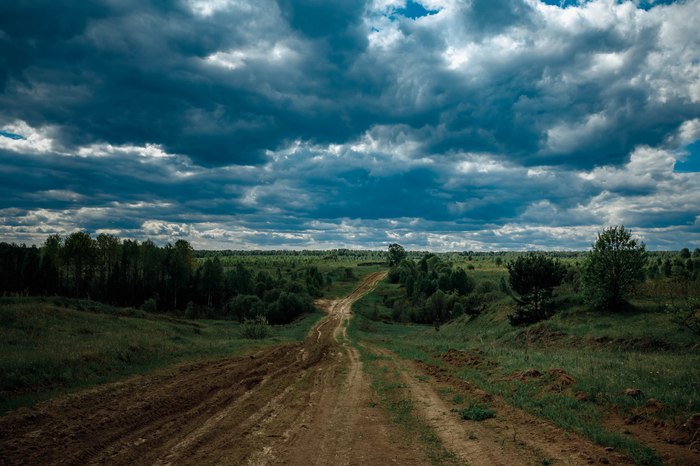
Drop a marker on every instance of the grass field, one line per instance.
(583, 361)
(56, 345)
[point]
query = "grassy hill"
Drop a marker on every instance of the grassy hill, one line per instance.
(55, 345)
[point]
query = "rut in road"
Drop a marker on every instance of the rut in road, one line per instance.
(305, 403)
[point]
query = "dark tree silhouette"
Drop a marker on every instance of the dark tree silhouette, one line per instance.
(533, 277)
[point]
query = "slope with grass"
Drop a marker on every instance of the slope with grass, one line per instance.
(57, 345)
(628, 381)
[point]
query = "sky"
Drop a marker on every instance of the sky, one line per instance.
(445, 125)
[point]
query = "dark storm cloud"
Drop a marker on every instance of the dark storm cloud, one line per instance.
(439, 124)
(137, 72)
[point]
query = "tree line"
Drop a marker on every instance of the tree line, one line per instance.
(169, 278)
(606, 278)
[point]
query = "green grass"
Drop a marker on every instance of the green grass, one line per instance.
(287, 264)
(604, 353)
(476, 412)
(51, 346)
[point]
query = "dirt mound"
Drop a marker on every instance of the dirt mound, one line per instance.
(556, 379)
(543, 336)
(691, 431)
(559, 379)
(531, 374)
(456, 358)
(442, 376)
(654, 404)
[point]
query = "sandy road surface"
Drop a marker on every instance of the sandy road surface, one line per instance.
(300, 403)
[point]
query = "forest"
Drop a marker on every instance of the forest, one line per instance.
(159, 279)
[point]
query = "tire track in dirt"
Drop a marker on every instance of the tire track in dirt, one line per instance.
(512, 437)
(292, 404)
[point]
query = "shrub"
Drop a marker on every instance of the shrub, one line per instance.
(687, 314)
(476, 412)
(255, 329)
(245, 306)
(394, 275)
(149, 305)
(473, 304)
(486, 286)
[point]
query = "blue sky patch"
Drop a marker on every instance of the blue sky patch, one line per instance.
(415, 10)
(692, 160)
(644, 4)
(14, 136)
(562, 3)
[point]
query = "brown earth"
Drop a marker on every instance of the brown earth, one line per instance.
(304, 403)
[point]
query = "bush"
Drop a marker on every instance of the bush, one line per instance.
(525, 314)
(150, 305)
(503, 286)
(687, 314)
(486, 286)
(473, 304)
(476, 412)
(245, 306)
(288, 307)
(394, 275)
(256, 329)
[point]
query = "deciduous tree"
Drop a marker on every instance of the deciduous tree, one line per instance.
(613, 268)
(396, 254)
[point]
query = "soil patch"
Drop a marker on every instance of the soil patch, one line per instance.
(455, 358)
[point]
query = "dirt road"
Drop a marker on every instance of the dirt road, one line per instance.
(305, 403)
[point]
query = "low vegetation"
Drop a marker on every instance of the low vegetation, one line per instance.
(54, 345)
(476, 412)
